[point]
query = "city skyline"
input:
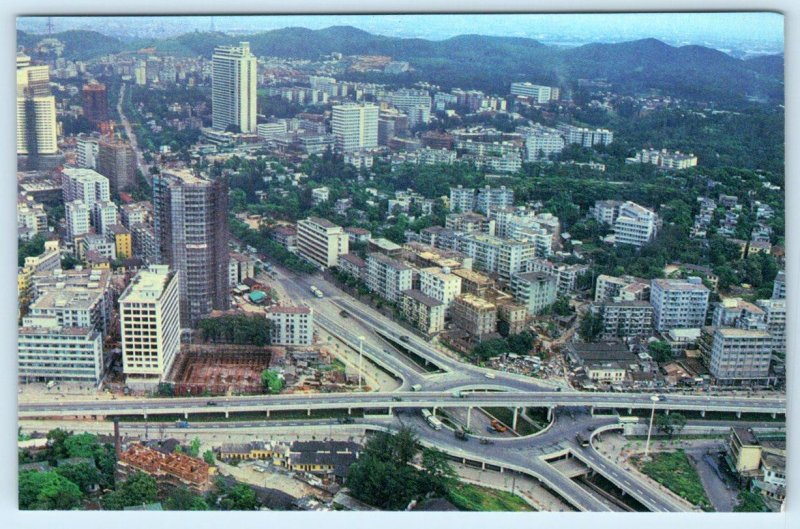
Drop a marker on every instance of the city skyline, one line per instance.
(762, 31)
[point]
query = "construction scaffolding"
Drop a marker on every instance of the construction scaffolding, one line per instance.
(219, 370)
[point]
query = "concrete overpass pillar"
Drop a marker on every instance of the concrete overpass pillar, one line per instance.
(502, 470)
(483, 465)
(186, 415)
(591, 411)
(464, 461)
(145, 416)
(469, 416)
(666, 412)
(514, 422)
(774, 415)
(550, 413)
(630, 411)
(702, 413)
(434, 411)
(391, 410)
(739, 414)
(267, 414)
(227, 414)
(309, 412)
(349, 411)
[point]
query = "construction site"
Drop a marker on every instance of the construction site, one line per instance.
(219, 370)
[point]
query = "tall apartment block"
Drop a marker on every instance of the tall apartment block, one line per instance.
(474, 315)
(86, 185)
(233, 88)
(116, 160)
(740, 355)
(492, 198)
(678, 303)
(95, 103)
(387, 277)
(36, 109)
(535, 290)
(77, 217)
(462, 199)
(321, 241)
(635, 225)
(291, 325)
(191, 228)
(149, 313)
(355, 127)
(440, 284)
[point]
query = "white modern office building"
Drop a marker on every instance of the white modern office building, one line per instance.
(355, 126)
(233, 88)
(635, 225)
(321, 241)
(149, 313)
(48, 351)
(387, 277)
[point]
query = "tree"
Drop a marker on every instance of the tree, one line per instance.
(208, 457)
(660, 351)
(181, 499)
(194, 447)
(272, 381)
(84, 475)
(81, 445)
(57, 439)
(47, 491)
(239, 498)
(438, 473)
(670, 424)
(591, 326)
(138, 489)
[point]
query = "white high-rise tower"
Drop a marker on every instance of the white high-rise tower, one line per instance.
(233, 88)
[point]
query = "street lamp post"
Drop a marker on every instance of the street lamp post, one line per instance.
(654, 399)
(360, 358)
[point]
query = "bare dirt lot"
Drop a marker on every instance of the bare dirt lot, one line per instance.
(219, 373)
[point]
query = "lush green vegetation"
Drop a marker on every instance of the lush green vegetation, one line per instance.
(750, 502)
(30, 248)
(468, 497)
(241, 329)
(670, 424)
(384, 478)
(520, 344)
(262, 241)
(272, 381)
(673, 470)
(48, 491)
(138, 489)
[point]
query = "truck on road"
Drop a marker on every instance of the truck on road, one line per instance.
(460, 434)
(416, 387)
(432, 421)
(317, 292)
(498, 426)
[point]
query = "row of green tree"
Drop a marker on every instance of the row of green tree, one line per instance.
(240, 329)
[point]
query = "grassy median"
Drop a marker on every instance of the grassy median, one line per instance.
(673, 470)
(469, 497)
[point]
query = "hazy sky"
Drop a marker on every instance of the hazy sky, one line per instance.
(699, 28)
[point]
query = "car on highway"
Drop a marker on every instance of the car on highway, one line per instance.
(405, 338)
(211, 403)
(485, 441)
(490, 376)
(397, 399)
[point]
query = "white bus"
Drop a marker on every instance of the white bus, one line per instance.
(628, 419)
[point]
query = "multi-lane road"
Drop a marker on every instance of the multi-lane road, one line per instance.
(453, 384)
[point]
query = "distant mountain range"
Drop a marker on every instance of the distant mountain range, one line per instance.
(484, 62)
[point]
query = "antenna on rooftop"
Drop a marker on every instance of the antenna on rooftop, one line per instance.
(49, 26)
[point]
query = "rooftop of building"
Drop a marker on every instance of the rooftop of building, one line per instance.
(289, 310)
(148, 285)
(353, 259)
(325, 223)
(418, 296)
(385, 244)
(388, 261)
(475, 302)
(739, 304)
(473, 277)
(681, 284)
(732, 332)
(603, 351)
